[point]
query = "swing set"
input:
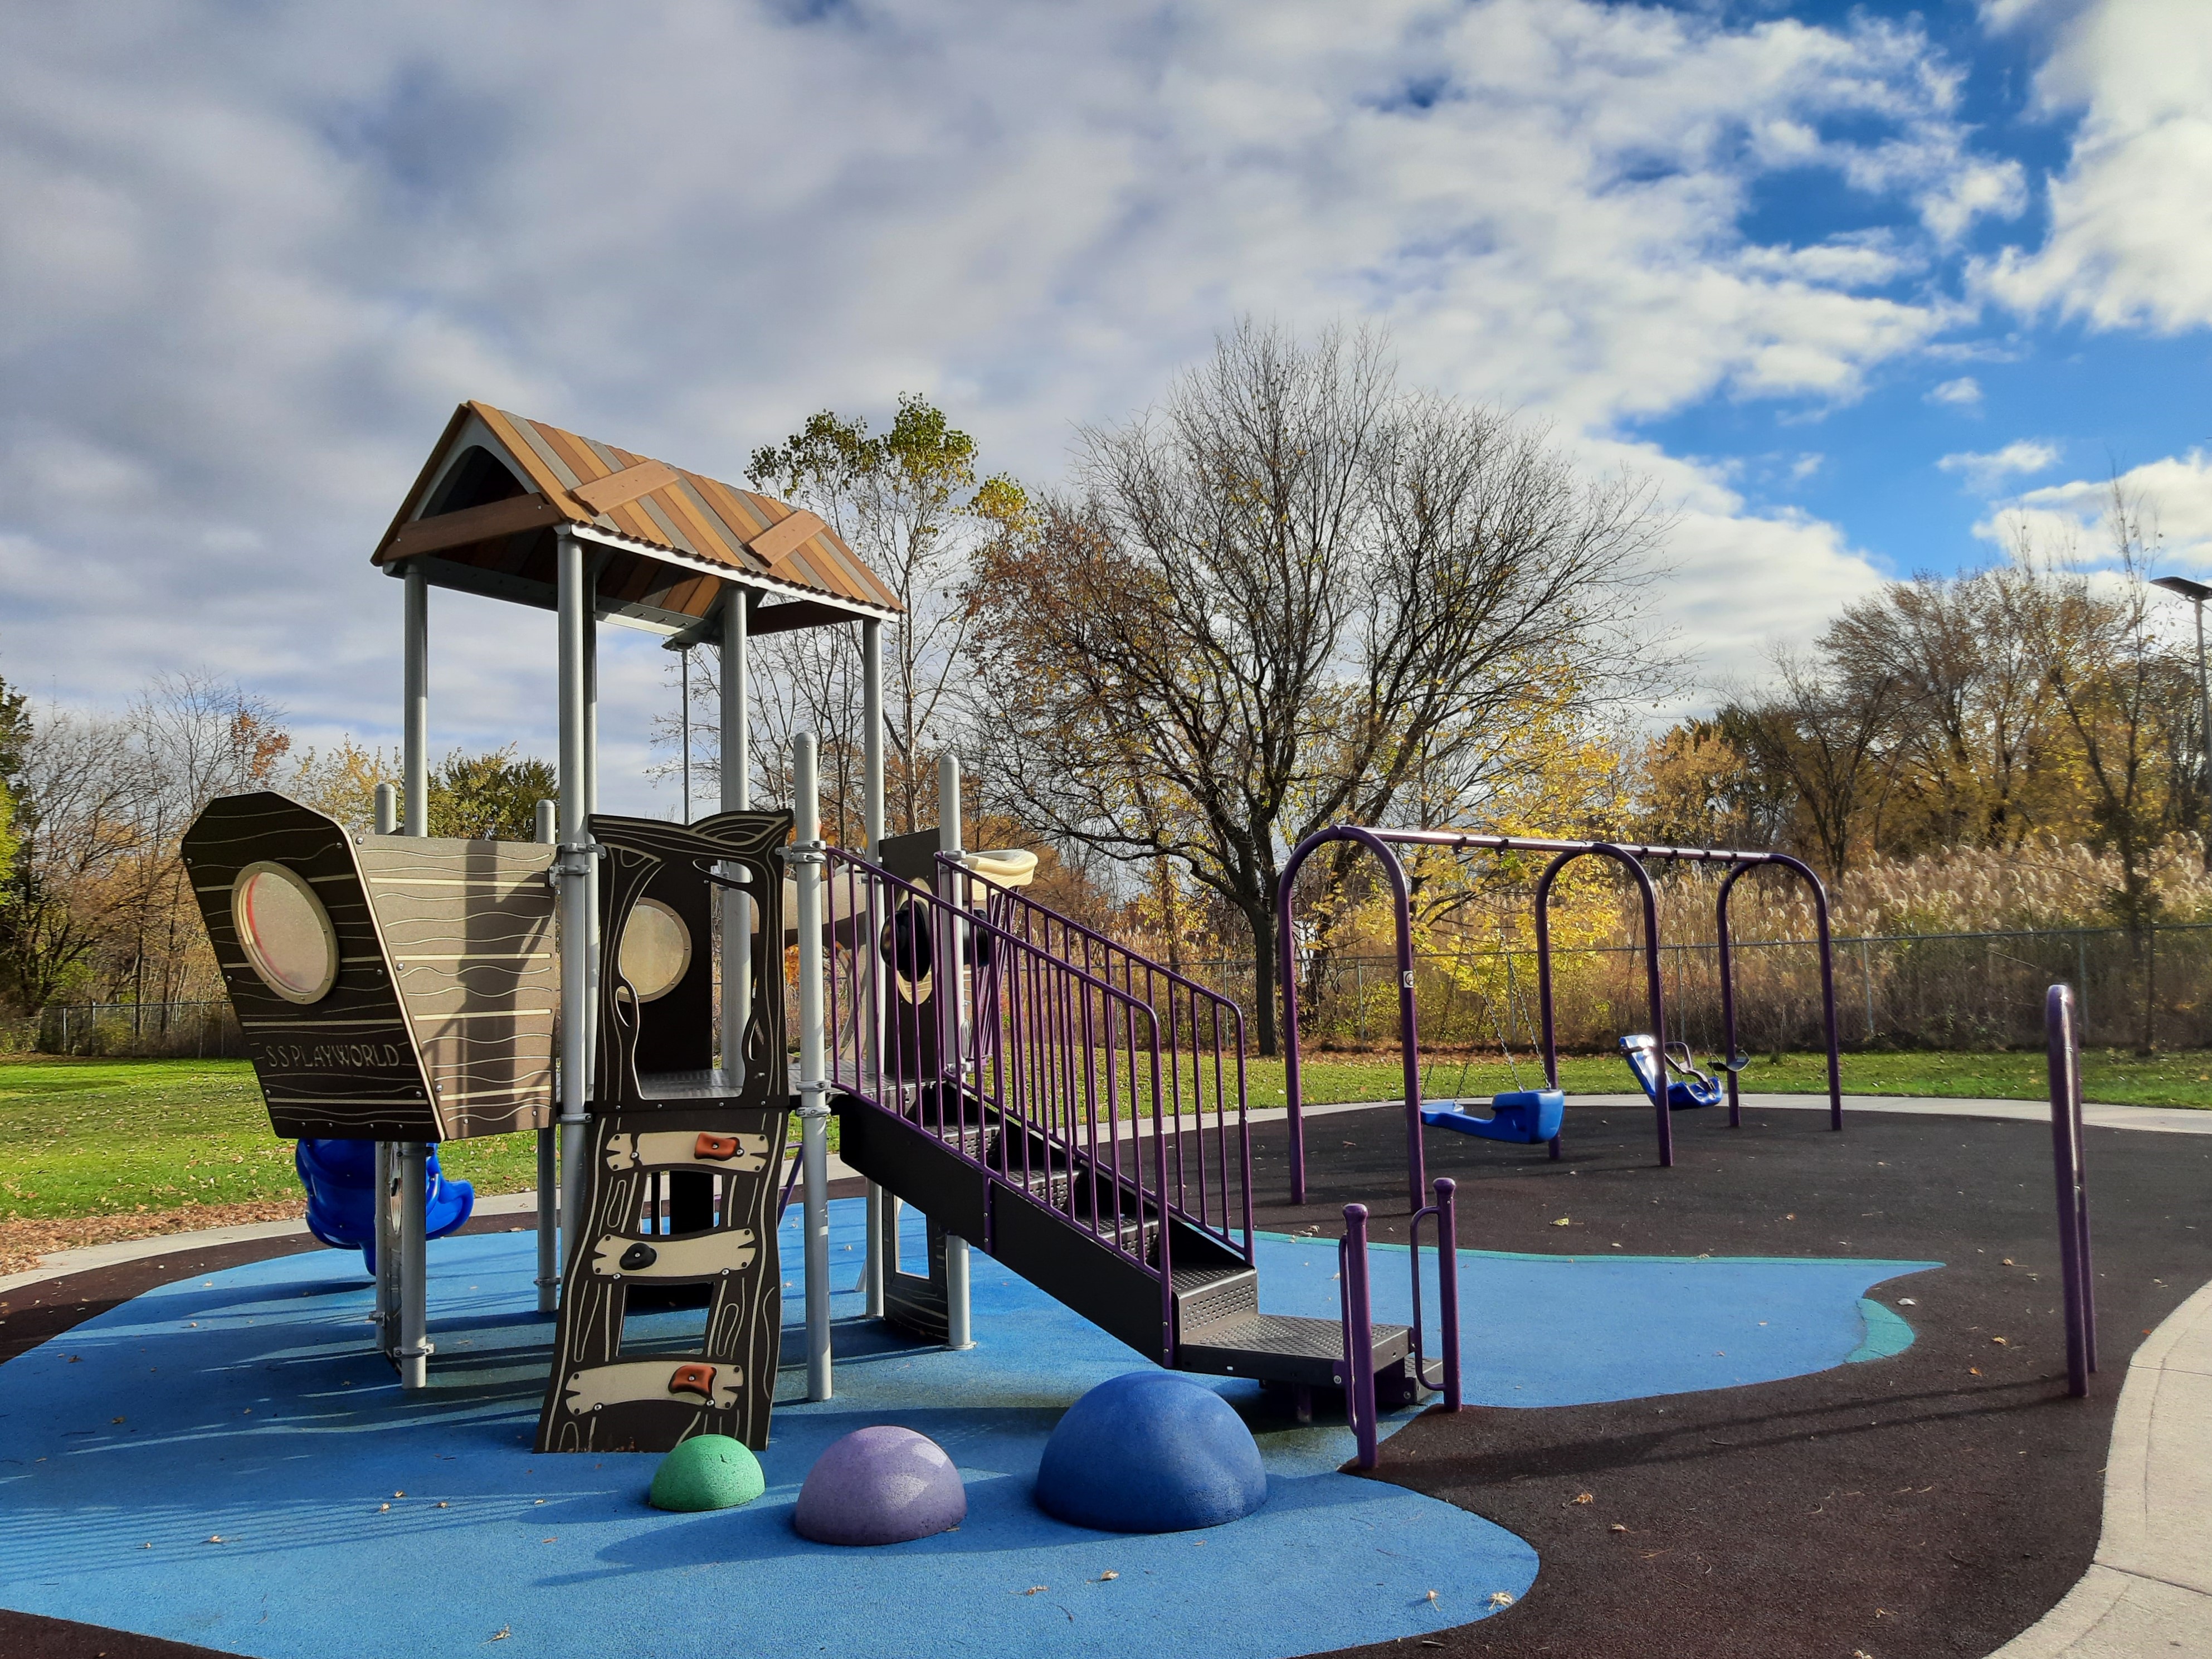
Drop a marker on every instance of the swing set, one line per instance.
(1666, 1072)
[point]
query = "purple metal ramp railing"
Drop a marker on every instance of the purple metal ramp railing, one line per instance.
(1067, 1068)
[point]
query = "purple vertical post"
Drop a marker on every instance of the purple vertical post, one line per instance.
(1447, 1282)
(1727, 992)
(2063, 1053)
(1358, 1332)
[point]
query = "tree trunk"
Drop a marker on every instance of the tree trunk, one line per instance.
(1262, 920)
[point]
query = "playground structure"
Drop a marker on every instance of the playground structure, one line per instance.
(1034, 1089)
(1535, 1115)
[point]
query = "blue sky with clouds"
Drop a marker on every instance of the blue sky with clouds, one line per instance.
(1852, 283)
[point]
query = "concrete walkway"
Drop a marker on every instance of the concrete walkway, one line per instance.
(2150, 1589)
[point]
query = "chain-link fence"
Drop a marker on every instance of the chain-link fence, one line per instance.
(1955, 991)
(159, 1030)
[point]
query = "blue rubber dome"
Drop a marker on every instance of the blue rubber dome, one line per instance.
(1151, 1452)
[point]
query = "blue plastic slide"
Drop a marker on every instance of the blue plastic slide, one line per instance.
(1528, 1116)
(340, 1176)
(1650, 1064)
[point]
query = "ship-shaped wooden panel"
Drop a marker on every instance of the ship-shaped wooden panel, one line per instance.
(389, 988)
(468, 926)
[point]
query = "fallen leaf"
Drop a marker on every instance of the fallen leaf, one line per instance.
(1616, 1527)
(499, 1635)
(1104, 1576)
(1501, 1598)
(1585, 1498)
(1432, 1595)
(2001, 1342)
(1792, 1216)
(1037, 1590)
(381, 1508)
(1564, 1221)
(2008, 1262)
(115, 1419)
(441, 1506)
(1973, 1370)
(215, 1538)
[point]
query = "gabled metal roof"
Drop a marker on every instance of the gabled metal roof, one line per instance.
(483, 513)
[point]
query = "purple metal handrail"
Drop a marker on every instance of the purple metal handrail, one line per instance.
(1827, 981)
(1357, 1373)
(2063, 1042)
(1203, 1024)
(1447, 1220)
(1067, 1062)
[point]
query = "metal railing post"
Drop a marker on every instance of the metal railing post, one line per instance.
(806, 854)
(1358, 1373)
(2063, 1054)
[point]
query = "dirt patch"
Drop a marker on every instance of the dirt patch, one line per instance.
(23, 1242)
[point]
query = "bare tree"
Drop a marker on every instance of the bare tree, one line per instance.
(2119, 688)
(1293, 594)
(1824, 738)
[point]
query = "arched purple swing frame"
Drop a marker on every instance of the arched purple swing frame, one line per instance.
(1632, 856)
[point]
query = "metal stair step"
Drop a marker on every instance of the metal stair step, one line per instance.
(1280, 1348)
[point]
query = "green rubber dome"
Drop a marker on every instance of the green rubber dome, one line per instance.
(707, 1472)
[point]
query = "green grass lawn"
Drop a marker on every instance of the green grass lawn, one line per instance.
(104, 1137)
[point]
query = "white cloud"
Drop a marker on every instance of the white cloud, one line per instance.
(1989, 471)
(2129, 242)
(253, 260)
(1965, 392)
(2173, 497)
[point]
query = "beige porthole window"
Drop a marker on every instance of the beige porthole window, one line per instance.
(285, 931)
(656, 949)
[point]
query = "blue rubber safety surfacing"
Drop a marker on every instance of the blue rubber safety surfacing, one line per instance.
(253, 1411)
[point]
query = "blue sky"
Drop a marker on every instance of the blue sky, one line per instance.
(1855, 286)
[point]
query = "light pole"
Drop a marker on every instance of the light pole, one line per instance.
(2196, 593)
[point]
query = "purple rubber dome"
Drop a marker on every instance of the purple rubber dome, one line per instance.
(883, 1484)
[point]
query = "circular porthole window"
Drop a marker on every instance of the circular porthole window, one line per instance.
(285, 931)
(656, 949)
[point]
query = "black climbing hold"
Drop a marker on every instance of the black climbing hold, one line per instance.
(638, 1258)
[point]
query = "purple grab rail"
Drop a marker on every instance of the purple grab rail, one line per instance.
(1447, 1219)
(2064, 1047)
(1356, 1374)
(1065, 1063)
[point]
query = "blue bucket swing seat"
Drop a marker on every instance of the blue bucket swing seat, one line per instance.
(1527, 1115)
(1689, 1088)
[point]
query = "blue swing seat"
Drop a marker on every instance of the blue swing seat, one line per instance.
(1650, 1064)
(1528, 1116)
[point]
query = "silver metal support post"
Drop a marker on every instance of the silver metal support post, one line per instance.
(957, 1326)
(871, 807)
(571, 866)
(813, 1069)
(386, 1318)
(414, 1345)
(737, 766)
(412, 1156)
(591, 806)
(549, 1141)
(415, 731)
